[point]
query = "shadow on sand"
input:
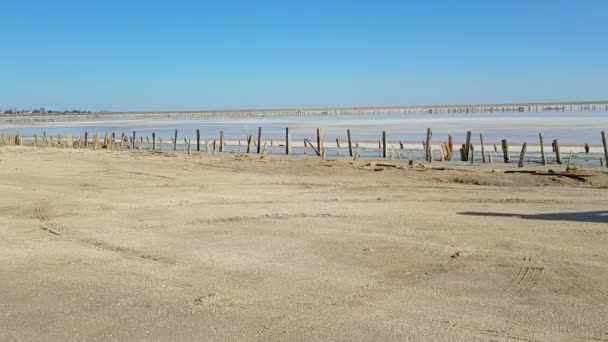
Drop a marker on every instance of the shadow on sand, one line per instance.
(586, 216)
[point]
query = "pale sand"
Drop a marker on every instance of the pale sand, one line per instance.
(130, 246)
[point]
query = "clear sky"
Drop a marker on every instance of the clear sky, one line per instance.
(190, 55)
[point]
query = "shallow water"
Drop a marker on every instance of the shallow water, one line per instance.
(569, 127)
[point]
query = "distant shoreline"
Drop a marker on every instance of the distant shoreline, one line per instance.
(201, 114)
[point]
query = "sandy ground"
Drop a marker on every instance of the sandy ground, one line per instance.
(135, 246)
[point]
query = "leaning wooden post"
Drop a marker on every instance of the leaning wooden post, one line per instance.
(319, 143)
(467, 145)
(558, 157)
(605, 147)
(542, 149)
(259, 139)
(153, 141)
(175, 141)
(221, 141)
(505, 150)
(483, 150)
(249, 142)
(198, 140)
(350, 143)
(383, 144)
(522, 155)
(427, 146)
(287, 141)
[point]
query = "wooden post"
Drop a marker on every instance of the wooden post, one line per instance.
(450, 147)
(472, 151)
(542, 149)
(214, 146)
(133, 142)
(568, 164)
(427, 145)
(207, 146)
(319, 143)
(505, 150)
(35, 140)
(522, 155)
(467, 144)
(188, 143)
(175, 141)
(287, 141)
(198, 140)
(313, 148)
(221, 141)
(383, 144)
(249, 142)
(153, 141)
(86, 139)
(558, 157)
(605, 147)
(350, 144)
(259, 139)
(483, 150)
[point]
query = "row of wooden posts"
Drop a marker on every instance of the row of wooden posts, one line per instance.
(446, 149)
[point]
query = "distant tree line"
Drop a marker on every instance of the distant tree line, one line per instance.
(43, 111)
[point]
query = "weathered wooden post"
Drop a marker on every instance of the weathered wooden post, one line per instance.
(350, 143)
(383, 144)
(483, 150)
(505, 150)
(249, 143)
(259, 139)
(35, 140)
(558, 157)
(542, 149)
(605, 147)
(222, 141)
(319, 143)
(450, 147)
(287, 141)
(175, 141)
(153, 141)
(198, 140)
(133, 141)
(522, 155)
(86, 139)
(472, 151)
(427, 145)
(467, 145)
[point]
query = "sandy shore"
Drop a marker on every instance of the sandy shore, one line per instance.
(141, 246)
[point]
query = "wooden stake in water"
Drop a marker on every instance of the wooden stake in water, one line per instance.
(259, 139)
(221, 141)
(522, 155)
(505, 150)
(542, 149)
(175, 141)
(427, 145)
(605, 147)
(467, 145)
(287, 141)
(198, 140)
(384, 144)
(483, 150)
(319, 143)
(350, 143)
(450, 147)
(558, 157)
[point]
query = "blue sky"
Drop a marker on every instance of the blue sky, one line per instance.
(190, 55)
